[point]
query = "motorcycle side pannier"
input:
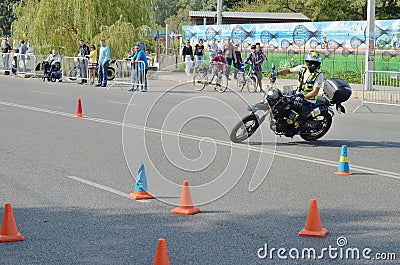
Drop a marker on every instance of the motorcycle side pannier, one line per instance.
(337, 90)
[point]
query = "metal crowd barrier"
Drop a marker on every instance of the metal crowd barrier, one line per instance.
(74, 68)
(383, 89)
(16, 63)
(130, 74)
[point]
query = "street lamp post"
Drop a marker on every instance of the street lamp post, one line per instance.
(219, 12)
(369, 45)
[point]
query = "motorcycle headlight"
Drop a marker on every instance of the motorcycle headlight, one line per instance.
(272, 94)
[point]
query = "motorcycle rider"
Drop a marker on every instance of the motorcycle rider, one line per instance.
(310, 80)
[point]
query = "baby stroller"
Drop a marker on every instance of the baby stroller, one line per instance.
(51, 72)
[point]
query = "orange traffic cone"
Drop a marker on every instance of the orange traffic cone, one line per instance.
(185, 205)
(343, 167)
(78, 109)
(161, 257)
(313, 225)
(9, 231)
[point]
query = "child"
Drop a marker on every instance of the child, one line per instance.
(14, 65)
(219, 61)
(219, 65)
(239, 61)
(92, 63)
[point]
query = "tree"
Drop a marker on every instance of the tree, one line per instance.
(61, 23)
(324, 10)
(7, 16)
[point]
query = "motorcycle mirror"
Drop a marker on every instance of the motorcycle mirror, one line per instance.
(273, 66)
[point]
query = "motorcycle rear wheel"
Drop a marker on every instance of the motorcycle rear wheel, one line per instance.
(110, 73)
(326, 125)
(244, 129)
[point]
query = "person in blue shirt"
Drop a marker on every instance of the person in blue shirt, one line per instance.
(104, 61)
(142, 66)
(256, 59)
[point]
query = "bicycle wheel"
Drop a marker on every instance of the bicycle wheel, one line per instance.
(199, 81)
(241, 81)
(252, 83)
(222, 83)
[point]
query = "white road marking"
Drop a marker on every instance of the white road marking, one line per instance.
(315, 160)
(232, 117)
(41, 92)
(123, 103)
(102, 187)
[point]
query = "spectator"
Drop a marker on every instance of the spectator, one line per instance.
(219, 64)
(5, 53)
(212, 48)
(199, 54)
(53, 60)
(188, 57)
(142, 67)
(83, 62)
(92, 65)
(134, 73)
(394, 41)
(14, 65)
(104, 61)
(256, 60)
(261, 52)
(54, 57)
(229, 54)
(22, 53)
(239, 61)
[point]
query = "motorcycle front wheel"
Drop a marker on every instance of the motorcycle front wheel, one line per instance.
(326, 122)
(244, 129)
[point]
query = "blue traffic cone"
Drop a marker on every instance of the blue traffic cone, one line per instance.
(140, 192)
(343, 168)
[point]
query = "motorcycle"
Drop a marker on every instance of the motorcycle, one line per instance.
(285, 113)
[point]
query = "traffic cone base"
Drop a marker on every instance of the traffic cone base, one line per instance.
(185, 205)
(9, 231)
(343, 173)
(343, 167)
(313, 226)
(189, 211)
(161, 256)
(140, 190)
(78, 115)
(321, 233)
(140, 195)
(17, 237)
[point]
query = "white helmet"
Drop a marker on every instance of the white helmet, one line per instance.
(313, 61)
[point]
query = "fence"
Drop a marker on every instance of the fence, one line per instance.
(384, 89)
(74, 68)
(15, 63)
(130, 74)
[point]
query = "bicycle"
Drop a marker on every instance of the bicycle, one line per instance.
(248, 79)
(200, 79)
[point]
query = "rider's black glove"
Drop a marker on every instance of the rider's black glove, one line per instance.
(299, 95)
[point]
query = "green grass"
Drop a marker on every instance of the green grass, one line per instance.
(349, 68)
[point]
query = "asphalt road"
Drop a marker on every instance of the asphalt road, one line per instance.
(68, 179)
